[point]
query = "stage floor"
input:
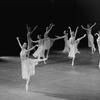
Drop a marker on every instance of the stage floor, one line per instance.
(56, 80)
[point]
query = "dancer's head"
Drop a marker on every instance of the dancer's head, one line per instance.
(39, 36)
(24, 45)
(88, 25)
(47, 28)
(64, 32)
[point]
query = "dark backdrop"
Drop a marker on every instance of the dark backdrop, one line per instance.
(15, 14)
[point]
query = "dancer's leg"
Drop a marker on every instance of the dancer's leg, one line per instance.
(27, 84)
(44, 60)
(47, 53)
(99, 64)
(73, 61)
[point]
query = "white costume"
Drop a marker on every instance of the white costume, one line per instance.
(90, 37)
(98, 42)
(47, 43)
(40, 50)
(27, 65)
(66, 48)
(73, 48)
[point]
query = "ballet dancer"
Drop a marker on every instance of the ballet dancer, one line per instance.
(40, 50)
(65, 37)
(29, 40)
(98, 40)
(27, 64)
(74, 48)
(48, 43)
(48, 29)
(90, 37)
(73, 34)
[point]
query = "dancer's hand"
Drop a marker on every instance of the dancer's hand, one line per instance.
(84, 35)
(57, 36)
(68, 27)
(17, 38)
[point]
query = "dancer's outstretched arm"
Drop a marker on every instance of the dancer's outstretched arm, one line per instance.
(59, 37)
(34, 29)
(81, 38)
(97, 34)
(32, 48)
(35, 41)
(19, 42)
(93, 25)
(70, 30)
(38, 59)
(76, 30)
(29, 30)
(84, 27)
(50, 27)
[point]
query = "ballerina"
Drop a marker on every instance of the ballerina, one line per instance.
(27, 64)
(98, 40)
(74, 48)
(73, 34)
(65, 37)
(40, 50)
(48, 43)
(90, 37)
(29, 40)
(48, 29)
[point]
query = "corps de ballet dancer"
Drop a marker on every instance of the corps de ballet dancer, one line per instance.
(40, 50)
(74, 48)
(48, 43)
(27, 64)
(90, 37)
(48, 29)
(72, 34)
(66, 41)
(98, 40)
(29, 40)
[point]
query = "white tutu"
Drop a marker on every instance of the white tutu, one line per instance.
(47, 43)
(28, 68)
(66, 48)
(98, 42)
(90, 40)
(73, 50)
(39, 51)
(27, 65)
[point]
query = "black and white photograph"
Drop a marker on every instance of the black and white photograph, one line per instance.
(50, 50)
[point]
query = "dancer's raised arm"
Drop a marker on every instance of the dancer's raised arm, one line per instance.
(19, 42)
(50, 27)
(32, 48)
(84, 27)
(28, 28)
(38, 59)
(59, 37)
(97, 34)
(34, 29)
(37, 41)
(76, 30)
(70, 30)
(81, 37)
(93, 25)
